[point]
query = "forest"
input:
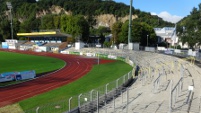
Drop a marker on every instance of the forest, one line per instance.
(81, 22)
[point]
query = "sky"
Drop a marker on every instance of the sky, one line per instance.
(169, 10)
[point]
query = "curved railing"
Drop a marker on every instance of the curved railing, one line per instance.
(99, 98)
(96, 98)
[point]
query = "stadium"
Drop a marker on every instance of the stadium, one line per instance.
(165, 83)
(97, 80)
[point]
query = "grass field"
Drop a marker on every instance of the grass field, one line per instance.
(19, 62)
(11, 62)
(98, 76)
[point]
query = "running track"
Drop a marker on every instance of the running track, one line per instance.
(76, 67)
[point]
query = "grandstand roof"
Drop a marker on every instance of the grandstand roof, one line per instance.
(43, 34)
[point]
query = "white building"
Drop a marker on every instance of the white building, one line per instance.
(167, 34)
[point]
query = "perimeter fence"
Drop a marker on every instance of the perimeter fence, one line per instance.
(89, 101)
(185, 54)
(96, 98)
(116, 96)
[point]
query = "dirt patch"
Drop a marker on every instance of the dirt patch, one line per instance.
(15, 108)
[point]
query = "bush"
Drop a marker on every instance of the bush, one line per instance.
(176, 47)
(107, 44)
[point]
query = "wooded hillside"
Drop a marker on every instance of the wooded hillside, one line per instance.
(27, 18)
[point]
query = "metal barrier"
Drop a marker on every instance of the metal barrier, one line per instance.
(104, 94)
(175, 92)
(90, 101)
(116, 96)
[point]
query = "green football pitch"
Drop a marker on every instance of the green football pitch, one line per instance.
(16, 62)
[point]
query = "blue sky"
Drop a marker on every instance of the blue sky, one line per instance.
(169, 10)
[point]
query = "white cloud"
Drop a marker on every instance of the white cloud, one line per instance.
(168, 17)
(153, 13)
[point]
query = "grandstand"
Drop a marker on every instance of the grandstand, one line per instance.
(165, 84)
(48, 41)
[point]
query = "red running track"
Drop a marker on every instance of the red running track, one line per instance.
(76, 67)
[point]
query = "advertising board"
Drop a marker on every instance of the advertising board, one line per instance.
(10, 76)
(5, 45)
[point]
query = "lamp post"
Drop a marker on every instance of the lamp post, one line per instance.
(9, 6)
(147, 40)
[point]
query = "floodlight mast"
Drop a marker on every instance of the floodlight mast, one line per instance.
(9, 6)
(130, 21)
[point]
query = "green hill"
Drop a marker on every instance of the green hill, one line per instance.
(30, 15)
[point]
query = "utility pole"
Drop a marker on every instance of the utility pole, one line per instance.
(130, 21)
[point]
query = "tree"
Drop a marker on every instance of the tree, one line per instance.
(91, 20)
(147, 32)
(5, 29)
(103, 30)
(139, 33)
(116, 30)
(30, 25)
(102, 39)
(56, 21)
(16, 28)
(123, 35)
(47, 22)
(190, 37)
(77, 26)
(189, 28)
